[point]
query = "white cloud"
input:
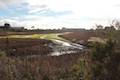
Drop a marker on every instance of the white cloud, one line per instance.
(6, 3)
(77, 6)
(96, 11)
(51, 22)
(13, 22)
(84, 12)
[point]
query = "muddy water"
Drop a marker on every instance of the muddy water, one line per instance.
(61, 47)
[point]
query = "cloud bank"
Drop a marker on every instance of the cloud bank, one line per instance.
(59, 13)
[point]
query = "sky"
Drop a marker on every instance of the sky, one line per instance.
(50, 14)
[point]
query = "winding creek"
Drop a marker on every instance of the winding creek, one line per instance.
(63, 47)
(59, 46)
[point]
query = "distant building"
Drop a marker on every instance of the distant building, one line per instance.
(7, 26)
(110, 28)
(2, 27)
(72, 29)
(18, 28)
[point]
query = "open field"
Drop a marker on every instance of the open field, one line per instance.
(21, 45)
(77, 36)
(34, 68)
(36, 36)
(47, 36)
(29, 57)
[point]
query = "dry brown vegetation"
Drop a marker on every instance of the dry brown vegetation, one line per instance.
(39, 68)
(34, 68)
(77, 36)
(22, 47)
(64, 67)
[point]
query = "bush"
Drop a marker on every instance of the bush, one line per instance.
(105, 63)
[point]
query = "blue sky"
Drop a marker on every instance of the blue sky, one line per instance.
(59, 13)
